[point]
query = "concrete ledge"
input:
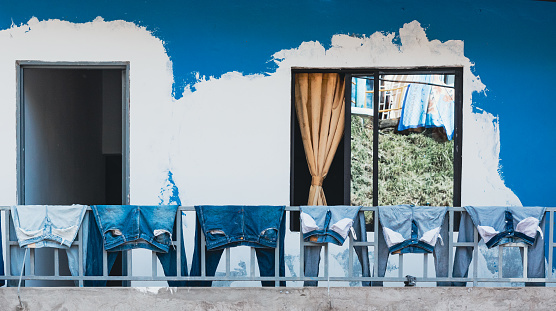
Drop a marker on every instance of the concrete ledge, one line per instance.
(162, 299)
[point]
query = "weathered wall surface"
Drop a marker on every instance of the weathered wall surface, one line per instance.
(511, 45)
(210, 85)
(307, 299)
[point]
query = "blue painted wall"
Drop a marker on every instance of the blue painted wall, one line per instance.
(512, 44)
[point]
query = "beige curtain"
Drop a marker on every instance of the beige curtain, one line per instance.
(319, 104)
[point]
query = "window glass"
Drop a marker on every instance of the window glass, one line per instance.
(415, 146)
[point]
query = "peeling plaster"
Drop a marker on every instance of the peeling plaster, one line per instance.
(228, 142)
(232, 132)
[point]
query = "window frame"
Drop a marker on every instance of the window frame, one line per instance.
(376, 73)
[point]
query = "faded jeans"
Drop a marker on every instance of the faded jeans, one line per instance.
(464, 254)
(17, 254)
(440, 254)
(312, 253)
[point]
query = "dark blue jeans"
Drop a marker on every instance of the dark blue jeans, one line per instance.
(94, 245)
(265, 258)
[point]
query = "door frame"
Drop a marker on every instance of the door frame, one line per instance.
(20, 116)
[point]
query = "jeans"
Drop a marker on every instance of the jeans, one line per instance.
(503, 224)
(464, 254)
(440, 254)
(411, 229)
(234, 225)
(265, 257)
(45, 226)
(312, 253)
(39, 226)
(93, 248)
(327, 224)
(128, 227)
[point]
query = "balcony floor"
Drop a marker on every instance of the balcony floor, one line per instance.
(341, 298)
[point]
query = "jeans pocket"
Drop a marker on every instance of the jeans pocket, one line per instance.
(162, 236)
(270, 234)
(214, 235)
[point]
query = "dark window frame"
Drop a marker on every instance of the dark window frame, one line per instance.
(376, 73)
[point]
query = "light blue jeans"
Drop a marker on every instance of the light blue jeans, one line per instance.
(312, 253)
(42, 226)
(411, 229)
(440, 254)
(464, 254)
(327, 224)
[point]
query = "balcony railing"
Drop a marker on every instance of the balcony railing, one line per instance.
(327, 275)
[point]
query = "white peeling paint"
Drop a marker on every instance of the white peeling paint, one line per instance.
(228, 142)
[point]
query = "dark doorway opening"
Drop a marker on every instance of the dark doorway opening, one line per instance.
(72, 143)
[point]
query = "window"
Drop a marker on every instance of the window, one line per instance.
(411, 156)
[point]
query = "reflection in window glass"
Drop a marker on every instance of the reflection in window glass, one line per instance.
(415, 147)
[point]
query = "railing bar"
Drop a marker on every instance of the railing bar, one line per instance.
(350, 255)
(104, 263)
(32, 261)
(425, 265)
(8, 247)
(252, 262)
(500, 258)
(154, 269)
(191, 208)
(362, 243)
(129, 262)
(451, 243)
(179, 242)
(301, 254)
(400, 263)
(468, 244)
(326, 265)
(223, 278)
(277, 262)
(203, 252)
(375, 247)
(56, 262)
(228, 261)
(550, 244)
(80, 255)
(475, 255)
(525, 259)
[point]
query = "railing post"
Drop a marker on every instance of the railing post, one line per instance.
(551, 245)
(80, 255)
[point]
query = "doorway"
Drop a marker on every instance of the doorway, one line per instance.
(72, 140)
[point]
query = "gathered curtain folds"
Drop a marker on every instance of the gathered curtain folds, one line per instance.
(319, 105)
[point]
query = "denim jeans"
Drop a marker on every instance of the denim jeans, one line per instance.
(45, 226)
(440, 254)
(39, 226)
(265, 255)
(128, 227)
(503, 224)
(411, 229)
(312, 253)
(93, 248)
(327, 224)
(464, 254)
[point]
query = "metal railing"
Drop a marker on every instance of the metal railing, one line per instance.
(10, 242)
